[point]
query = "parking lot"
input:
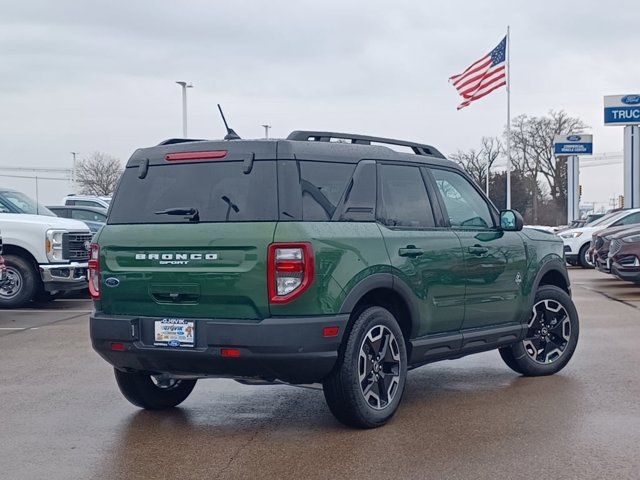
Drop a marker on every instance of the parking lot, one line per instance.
(63, 417)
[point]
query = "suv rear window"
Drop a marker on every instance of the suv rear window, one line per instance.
(220, 191)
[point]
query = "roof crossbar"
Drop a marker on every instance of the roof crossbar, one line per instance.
(308, 135)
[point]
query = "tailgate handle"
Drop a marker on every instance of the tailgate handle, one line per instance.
(175, 297)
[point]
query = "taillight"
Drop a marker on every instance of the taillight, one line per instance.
(94, 271)
(290, 270)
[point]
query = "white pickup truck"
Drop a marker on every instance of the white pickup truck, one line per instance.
(43, 254)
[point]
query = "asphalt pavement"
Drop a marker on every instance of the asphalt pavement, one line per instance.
(62, 417)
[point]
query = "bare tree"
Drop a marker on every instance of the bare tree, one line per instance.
(98, 174)
(532, 140)
(475, 162)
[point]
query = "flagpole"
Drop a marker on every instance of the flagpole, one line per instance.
(508, 120)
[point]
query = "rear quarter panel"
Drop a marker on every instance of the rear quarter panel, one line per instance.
(345, 253)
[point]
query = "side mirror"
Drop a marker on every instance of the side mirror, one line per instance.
(511, 221)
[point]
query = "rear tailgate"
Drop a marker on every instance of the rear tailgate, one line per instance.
(193, 270)
(189, 237)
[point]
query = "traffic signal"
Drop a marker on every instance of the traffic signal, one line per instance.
(580, 194)
(621, 201)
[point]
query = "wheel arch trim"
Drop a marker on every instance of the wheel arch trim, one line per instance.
(388, 281)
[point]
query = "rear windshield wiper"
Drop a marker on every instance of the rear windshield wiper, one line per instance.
(191, 214)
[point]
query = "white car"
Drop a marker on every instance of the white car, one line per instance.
(43, 254)
(87, 201)
(577, 240)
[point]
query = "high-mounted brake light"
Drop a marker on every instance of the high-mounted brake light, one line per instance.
(94, 271)
(290, 270)
(186, 156)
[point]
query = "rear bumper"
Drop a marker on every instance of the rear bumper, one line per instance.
(288, 349)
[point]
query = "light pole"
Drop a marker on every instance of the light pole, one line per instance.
(266, 130)
(73, 173)
(184, 86)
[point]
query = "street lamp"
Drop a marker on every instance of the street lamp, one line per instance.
(184, 86)
(73, 173)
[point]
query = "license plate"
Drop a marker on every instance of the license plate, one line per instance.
(174, 332)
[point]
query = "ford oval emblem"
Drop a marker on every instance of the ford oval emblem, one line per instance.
(112, 282)
(574, 138)
(631, 99)
(173, 343)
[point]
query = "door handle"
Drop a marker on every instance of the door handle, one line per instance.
(478, 250)
(410, 251)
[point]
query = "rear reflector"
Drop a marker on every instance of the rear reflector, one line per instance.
(328, 332)
(118, 347)
(229, 352)
(186, 156)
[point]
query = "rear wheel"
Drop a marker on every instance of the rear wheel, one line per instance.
(366, 387)
(21, 282)
(552, 335)
(153, 392)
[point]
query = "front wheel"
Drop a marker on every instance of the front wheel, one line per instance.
(153, 392)
(21, 283)
(552, 335)
(366, 386)
(583, 257)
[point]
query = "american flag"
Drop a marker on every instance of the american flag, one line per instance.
(483, 76)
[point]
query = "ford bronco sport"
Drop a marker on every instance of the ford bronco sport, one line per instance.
(324, 257)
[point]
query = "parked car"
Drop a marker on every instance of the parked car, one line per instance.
(624, 255)
(577, 241)
(600, 243)
(581, 222)
(276, 261)
(93, 217)
(43, 254)
(87, 201)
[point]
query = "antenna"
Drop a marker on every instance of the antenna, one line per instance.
(231, 135)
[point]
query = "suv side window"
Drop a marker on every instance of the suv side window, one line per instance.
(88, 215)
(86, 203)
(403, 198)
(322, 186)
(465, 206)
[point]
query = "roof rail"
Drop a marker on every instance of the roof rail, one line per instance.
(171, 141)
(308, 135)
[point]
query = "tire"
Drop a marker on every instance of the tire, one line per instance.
(142, 391)
(547, 353)
(364, 359)
(582, 257)
(22, 282)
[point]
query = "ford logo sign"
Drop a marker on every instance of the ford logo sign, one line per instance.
(173, 343)
(112, 282)
(574, 138)
(631, 99)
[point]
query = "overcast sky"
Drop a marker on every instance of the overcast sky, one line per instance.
(85, 76)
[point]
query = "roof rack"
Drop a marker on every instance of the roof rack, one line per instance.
(307, 135)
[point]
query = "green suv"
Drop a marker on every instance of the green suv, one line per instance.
(322, 258)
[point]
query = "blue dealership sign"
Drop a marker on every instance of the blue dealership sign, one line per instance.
(573, 144)
(622, 109)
